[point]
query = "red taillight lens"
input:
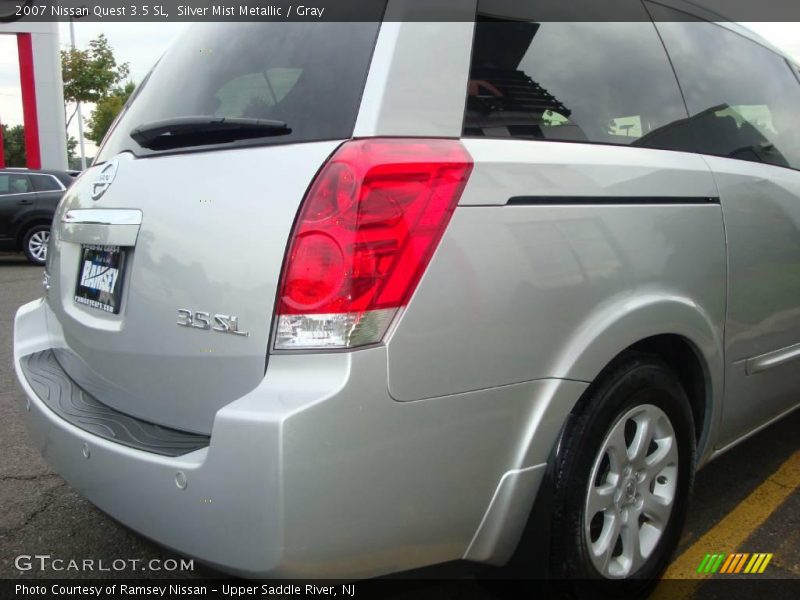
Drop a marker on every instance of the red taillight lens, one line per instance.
(367, 230)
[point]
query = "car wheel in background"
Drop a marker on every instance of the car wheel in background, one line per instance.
(34, 244)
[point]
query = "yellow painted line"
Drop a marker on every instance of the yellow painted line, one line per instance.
(734, 528)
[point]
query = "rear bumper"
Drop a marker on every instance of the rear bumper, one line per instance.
(318, 472)
(210, 519)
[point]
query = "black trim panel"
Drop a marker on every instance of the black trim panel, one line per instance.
(607, 200)
(63, 396)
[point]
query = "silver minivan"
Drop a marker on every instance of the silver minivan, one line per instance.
(345, 299)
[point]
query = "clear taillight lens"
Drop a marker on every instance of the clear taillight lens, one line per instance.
(366, 232)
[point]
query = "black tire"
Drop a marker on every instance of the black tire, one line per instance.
(633, 384)
(30, 244)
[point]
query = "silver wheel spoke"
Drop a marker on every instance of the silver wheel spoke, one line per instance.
(604, 547)
(657, 510)
(601, 498)
(631, 547)
(641, 440)
(617, 448)
(666, 455)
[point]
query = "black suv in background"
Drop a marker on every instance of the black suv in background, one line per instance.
(28, 200)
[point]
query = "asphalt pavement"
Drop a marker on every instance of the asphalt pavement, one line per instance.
(41, 515)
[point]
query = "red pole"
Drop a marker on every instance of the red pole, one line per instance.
(33, 156)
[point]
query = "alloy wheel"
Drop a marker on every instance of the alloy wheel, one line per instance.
(631, 491)
(37, 245)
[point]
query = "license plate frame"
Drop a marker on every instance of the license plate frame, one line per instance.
(100, 274)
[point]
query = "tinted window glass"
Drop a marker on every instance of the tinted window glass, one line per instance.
(598, 82)
(45, 183)
(743, 99)
(14, 184)
(310, 75)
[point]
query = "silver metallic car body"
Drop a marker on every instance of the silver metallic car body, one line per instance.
(431, 446)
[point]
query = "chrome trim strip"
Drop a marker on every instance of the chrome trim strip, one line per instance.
(103, 216)
(16, 194)
(771, 360)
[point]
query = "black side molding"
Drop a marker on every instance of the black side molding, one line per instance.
(608, 200)
(63, 396)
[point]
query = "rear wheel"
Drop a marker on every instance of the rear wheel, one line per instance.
(622, 482)
(34, 244)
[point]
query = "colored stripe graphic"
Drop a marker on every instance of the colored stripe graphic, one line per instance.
(727, 564)
(759, 558)
(733, 530)
(735, 558)
(703, 568)
(753, 561)
(738, 562)
(717, 563)
(711, 563)
(740, 565)
(766, 562)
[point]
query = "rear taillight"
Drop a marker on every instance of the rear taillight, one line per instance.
(366, 231)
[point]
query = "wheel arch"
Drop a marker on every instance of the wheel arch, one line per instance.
(687, 363)
(674, 329)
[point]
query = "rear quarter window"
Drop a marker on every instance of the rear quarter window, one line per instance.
(309, 75)
(606, 83)
(45, 183)
(743, 98)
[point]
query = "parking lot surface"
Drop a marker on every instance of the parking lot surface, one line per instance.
(748, 501)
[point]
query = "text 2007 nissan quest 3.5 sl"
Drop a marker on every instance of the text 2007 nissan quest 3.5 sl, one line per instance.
(346, 299)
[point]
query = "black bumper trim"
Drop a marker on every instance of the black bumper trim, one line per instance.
(63, 396)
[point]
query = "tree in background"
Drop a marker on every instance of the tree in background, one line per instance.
(14, 145)
(91, 75)
(106, 110)
(72, 143)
